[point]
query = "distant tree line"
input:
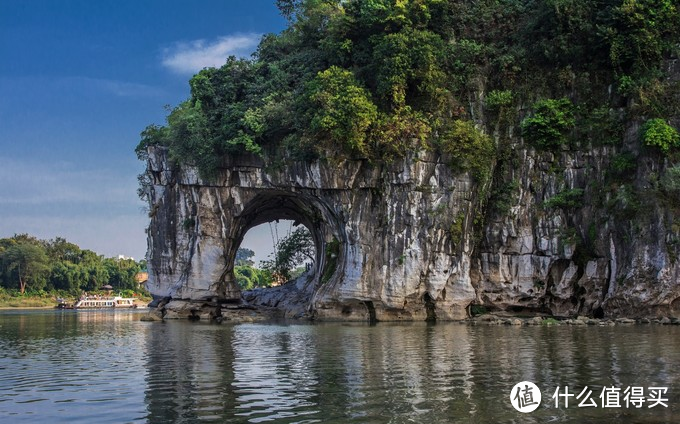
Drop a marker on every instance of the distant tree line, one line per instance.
(28, 264)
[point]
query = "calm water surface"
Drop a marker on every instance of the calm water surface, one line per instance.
(95, 366)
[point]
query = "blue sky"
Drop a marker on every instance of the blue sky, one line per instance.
(79, 80)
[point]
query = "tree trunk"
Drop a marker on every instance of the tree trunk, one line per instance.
(22, 285)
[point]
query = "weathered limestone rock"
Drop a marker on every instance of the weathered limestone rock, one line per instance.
(395, 243)
(412, 240)
(391, 244)
(591, 259)
(181, 309)
(152, 316)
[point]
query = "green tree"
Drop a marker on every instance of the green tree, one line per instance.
(61, 250)
(466, 148)
(409, 68)
(120, 273)
(656, 132)
(245, 276)
(549, 124)
(28, 263)
(92, 272)
(641, 32)
(64, 275)
(377, 79)
(342, 111)
(291, 251)
(249, 277)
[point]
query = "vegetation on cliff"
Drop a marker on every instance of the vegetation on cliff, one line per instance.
(375, 79)
(471, 81)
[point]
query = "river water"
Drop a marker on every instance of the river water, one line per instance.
(106, 366)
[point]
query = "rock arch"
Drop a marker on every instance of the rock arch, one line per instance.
(273, 205)
(401, 235)
(389, 241)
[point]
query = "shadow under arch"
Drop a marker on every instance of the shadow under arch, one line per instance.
(308, 210)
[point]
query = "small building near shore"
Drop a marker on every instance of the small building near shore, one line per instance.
(141, 278)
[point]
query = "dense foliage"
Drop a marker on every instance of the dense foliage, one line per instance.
(375, 79)
(247, 275)
(287, 261)
(567, 199)
(656, 132)
(549, 124)
(29, 264)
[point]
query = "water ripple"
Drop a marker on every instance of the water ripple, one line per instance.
(103, 367)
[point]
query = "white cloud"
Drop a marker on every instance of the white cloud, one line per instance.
(191, 57)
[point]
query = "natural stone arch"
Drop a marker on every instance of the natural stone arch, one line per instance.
(386, 236)
(273, 205)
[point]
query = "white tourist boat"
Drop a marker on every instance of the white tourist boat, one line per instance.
(95, 302)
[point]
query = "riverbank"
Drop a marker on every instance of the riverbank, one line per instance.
(27, 302)
(47, 301)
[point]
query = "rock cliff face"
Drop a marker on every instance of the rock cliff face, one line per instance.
(390, 242)
(568, 232)
(602, 257)
(414, 241)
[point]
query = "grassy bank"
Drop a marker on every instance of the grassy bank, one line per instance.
(14, 299)
(26, 301)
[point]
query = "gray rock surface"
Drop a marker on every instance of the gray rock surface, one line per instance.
(392, 243)
(407, 246)
(414, 240)
(593, 259)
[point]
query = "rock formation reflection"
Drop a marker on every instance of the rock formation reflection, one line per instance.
(394, 372)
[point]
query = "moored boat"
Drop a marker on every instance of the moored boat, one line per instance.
(97, 302)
